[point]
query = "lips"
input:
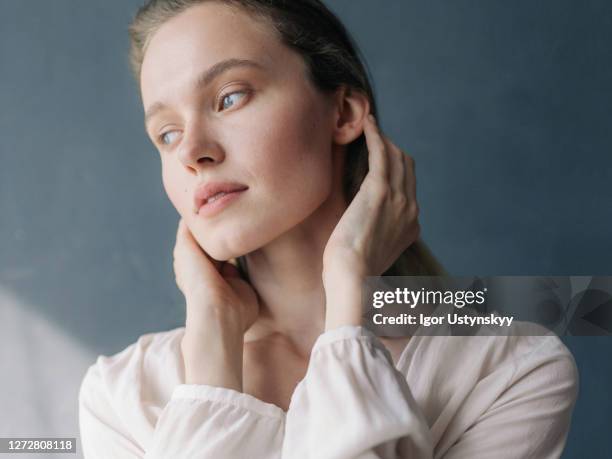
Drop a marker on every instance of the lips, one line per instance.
(207, 190)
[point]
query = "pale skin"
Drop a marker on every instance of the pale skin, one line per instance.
(307, 251)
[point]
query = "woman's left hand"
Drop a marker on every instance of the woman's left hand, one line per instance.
(378, 225)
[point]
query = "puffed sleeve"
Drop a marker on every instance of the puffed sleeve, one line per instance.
(354, 404)
(199, 421)
(102, 432)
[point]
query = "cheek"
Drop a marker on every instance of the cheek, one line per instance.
(293, 154)
(175, 189)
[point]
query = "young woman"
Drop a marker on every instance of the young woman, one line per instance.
(289, 196)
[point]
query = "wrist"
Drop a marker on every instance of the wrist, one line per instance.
(212, 361)
(337, 275)
(202, 318)
(343, 300)
(335, 318)
(344, 262)
(212, 350)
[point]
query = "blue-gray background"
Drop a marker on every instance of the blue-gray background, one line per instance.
(506, 107)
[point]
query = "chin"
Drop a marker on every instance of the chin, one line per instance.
(218, 253)
(227, 247)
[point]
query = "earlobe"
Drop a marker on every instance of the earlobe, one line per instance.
(352, 107)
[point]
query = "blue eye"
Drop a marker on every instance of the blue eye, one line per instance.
(163, 137)
(228, 97)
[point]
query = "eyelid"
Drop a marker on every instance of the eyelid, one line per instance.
(229, 92)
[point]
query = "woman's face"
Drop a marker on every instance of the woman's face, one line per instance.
(263, 125)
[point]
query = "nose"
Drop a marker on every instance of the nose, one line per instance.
(198, 149)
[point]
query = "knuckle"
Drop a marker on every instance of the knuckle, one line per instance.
(381, 190)
(401, 200)
(376, 185)
(397, 156)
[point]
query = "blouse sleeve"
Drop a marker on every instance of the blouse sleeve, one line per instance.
(102, 433)
(354, 404)
(199, 421)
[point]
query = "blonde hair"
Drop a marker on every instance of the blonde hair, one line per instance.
(332, 58)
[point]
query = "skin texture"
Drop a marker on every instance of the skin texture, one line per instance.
(285, 140)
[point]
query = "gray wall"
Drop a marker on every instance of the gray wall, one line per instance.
(506, 107)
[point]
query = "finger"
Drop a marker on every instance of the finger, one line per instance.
(186, 241)
(410, 182)
(397, 166)
(410, 185)
(377, 154)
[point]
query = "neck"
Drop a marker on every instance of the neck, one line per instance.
(287, 275)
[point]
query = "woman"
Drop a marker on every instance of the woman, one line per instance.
(267, 103)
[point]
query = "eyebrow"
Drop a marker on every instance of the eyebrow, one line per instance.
(204, 79)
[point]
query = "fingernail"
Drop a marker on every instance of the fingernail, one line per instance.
(372, 118)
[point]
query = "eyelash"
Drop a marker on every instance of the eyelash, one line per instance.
(160, 138)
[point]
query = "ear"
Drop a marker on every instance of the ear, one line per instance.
(351, 108)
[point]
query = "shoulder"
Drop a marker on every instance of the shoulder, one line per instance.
(149, 367)
(523, 342)
(542, 360)
(122, 395)
(532, 348)
(529, 353)
(459, 381)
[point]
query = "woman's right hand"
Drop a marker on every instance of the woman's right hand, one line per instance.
(221, 306)
(210, 286)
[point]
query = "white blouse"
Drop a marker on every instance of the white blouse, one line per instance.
(448, 397)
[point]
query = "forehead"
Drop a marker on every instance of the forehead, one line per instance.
(201, 36)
